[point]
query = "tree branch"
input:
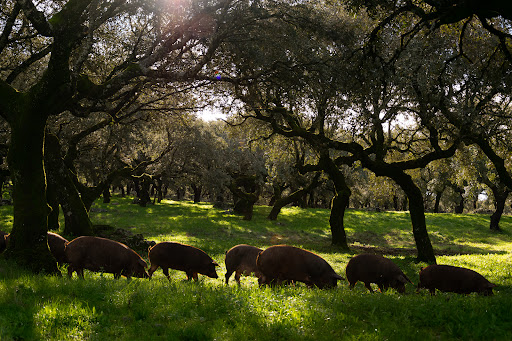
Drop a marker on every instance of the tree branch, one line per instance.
(37, 18)
(9, 23)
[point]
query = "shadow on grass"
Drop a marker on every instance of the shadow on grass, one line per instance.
(215, 231)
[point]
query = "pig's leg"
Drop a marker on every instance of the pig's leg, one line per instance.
(166, 273)
(368, 286)
(152, 269)
(228, 274)
(70, 270)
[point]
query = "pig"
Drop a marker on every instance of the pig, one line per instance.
(56, 244)
(241, 259)
(101, 254)
(284, 263)
(450, 278)
(177, 256)
(3, 243)
(369, 268)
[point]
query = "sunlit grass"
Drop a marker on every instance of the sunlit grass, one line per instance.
(34, 307)
(6, 218)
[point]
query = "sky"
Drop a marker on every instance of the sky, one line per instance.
(210, 114)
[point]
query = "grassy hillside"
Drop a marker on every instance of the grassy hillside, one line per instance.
(39, 307)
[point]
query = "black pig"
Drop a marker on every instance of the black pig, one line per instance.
(177, 256)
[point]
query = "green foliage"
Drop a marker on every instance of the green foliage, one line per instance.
(99, 307)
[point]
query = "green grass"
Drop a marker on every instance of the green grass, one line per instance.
(101, 308)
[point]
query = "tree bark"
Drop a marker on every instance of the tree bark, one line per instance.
(437, 202)
(76, 217)
(245, 194)
(198, 190)
(338, 204)
(459, 204)
(158, 188)
(53, 202)
(106, 195)
(28, 245)
(142, 185)
(417, 213)
(500, 197)
(336, 220)
(180, 194)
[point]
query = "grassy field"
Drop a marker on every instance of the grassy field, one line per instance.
(101, 308)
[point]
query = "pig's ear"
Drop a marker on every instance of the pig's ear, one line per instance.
(338, 277)
(215, 263)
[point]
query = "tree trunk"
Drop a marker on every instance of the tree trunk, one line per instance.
(459, 205)
(106, 195)
(246, 193)
(417, 213)
(142, 185)
(336, 220)
(158, 188)
(198, 190)
(76, 217)
(164, 191)
(28, 245)
(53, 202)
(500, 197)
(437, 202)
(278, 190)
(311, 200)
(244, 207)
(180, 194)
(276, 209)
(338, 204)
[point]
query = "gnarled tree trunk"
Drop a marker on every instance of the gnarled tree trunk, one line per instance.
(417, 213)
(28, 245)
(500, 197)
(76, 217)
(246, 193)
(338, 204)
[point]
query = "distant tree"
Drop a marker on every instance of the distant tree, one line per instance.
(486, 174)
(246, 168)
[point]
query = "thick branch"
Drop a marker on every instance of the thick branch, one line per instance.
(9, 23)
(9, 98)
(37, 18)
